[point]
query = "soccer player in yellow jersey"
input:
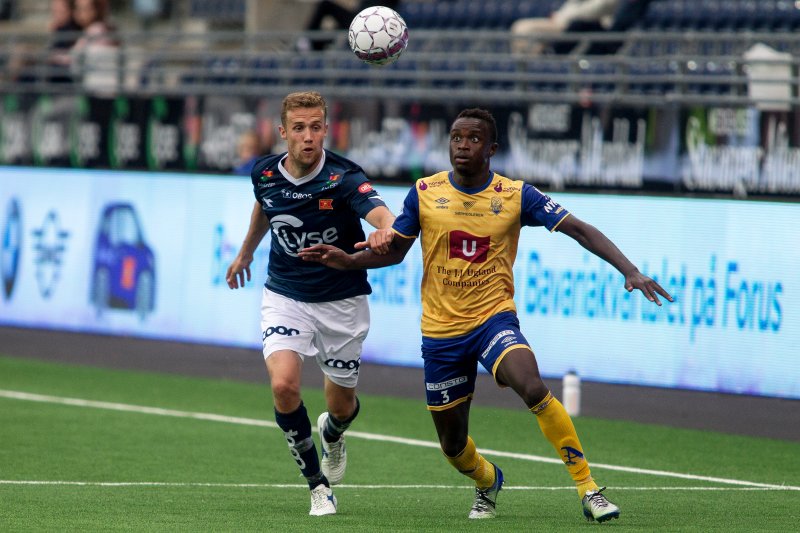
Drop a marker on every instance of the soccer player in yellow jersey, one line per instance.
(470, 219)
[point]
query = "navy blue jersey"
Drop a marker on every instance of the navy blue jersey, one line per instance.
(325, 208)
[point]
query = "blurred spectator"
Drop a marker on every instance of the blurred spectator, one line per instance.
(573, 15)
(6, 9)
(340, 14)
(627, 14)
(65, 31)
(248, 150)
(95, 54)
(27, 65)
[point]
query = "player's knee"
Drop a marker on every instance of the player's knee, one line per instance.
(533, 391)
(285, 393)
(342, 413)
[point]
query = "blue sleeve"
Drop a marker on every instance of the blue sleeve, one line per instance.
(360, 195)
(538, 209)
(407, 222)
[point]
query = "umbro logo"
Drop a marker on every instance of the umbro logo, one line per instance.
(442, 201)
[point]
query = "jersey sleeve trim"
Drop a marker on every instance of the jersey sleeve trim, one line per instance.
(403, 235)
(560, 221)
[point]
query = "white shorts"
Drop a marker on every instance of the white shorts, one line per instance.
(331, 332)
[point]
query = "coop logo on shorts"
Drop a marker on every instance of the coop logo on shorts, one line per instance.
(279, 330)
(11, 247)
(288, 230)
(344, 365)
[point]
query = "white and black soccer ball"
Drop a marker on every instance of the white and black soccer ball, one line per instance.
(378, 35)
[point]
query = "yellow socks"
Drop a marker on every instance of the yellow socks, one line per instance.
(472, 464)
(557, 427)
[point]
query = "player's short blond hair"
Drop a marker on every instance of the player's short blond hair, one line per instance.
(306, 99)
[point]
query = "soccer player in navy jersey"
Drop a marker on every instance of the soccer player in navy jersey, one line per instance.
(470, 219)
(305, 196)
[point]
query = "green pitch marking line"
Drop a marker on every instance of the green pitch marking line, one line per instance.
(77, 402)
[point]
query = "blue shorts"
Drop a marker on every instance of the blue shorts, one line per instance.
(450, 364)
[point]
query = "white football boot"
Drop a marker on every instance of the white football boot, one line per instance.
(486, 499)
(597, 507)
(323, 502)
(334, 454)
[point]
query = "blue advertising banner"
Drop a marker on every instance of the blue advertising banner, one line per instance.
(145, 254)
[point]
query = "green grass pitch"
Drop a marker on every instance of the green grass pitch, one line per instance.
(205, 456)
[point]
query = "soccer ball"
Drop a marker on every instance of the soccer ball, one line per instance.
(378, 35)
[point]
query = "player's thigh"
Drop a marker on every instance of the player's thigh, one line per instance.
(449, 378)
(519, 371)
(286, 324)
(341, 327)
(496, 339)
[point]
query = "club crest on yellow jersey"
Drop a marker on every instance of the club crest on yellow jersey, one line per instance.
(496, 205)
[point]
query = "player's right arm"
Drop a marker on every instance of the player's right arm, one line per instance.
(405, 228)
(239, 269)
(334, 257)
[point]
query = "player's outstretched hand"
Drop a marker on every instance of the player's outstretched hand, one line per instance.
(326, 254)
(378, 241)
(649, 287)
(237, 272)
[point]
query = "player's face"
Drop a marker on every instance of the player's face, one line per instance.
(304, 132)
(471, 148)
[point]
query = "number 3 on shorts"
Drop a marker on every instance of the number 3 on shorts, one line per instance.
(445, 397)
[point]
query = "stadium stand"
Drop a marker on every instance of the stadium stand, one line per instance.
(683, 51)
(680, 53)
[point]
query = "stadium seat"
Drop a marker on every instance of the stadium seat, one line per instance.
(307, 69)
(549, 75)
(700, 76)
(449, 73)
(504, 14)
(411, 13)
(501, 74)
(601, 74)
(264, 70)
(224, 70)
(401, 73)
(224, 10)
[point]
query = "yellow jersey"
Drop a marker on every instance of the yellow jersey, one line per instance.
(469, 244)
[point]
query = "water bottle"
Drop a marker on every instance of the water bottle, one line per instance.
(572, 393)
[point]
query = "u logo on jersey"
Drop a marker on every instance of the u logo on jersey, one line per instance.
(468, 247)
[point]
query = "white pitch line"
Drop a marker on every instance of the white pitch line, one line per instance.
(17, 395)
(343, 486)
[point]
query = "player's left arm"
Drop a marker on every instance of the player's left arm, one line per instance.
(596, 242)
(378, 241)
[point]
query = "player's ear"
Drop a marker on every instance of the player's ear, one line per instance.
(493, 149)
(282, 131)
